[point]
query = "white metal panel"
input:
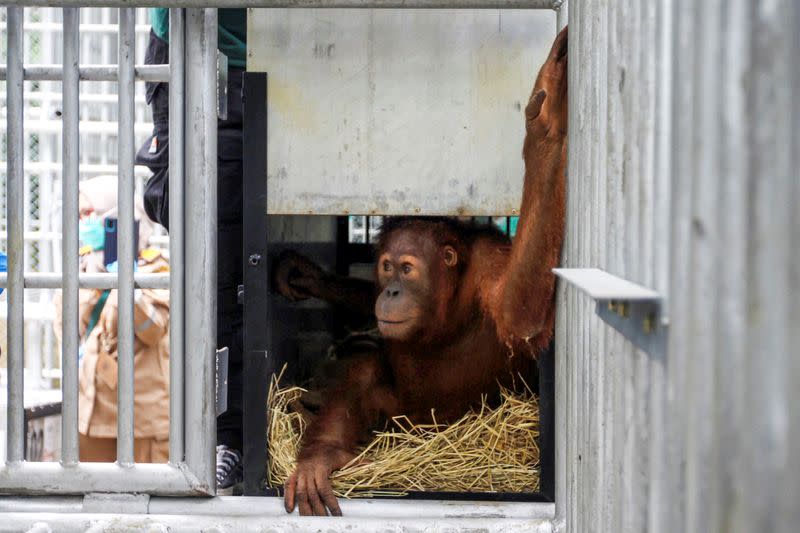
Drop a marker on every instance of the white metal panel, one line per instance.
(390, 112)
(693, 190)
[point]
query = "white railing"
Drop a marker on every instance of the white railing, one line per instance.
(193, 42)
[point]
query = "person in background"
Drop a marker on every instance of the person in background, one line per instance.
(154, 153)
(97, 324)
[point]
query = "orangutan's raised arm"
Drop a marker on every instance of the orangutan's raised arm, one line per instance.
(526, 306)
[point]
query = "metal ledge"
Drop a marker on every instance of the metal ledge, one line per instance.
(600, 285)
(83, 478)
(259, 506)
(242, 513)
(365, 4)
(631, 309)
(225, 524)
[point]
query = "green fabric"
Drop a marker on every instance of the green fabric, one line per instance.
(159, 19)
(232, 34)
(95, 318)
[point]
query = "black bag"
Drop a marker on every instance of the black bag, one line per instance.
(154, 153)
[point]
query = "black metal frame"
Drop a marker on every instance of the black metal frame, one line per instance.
(257, 364)
(260, 360)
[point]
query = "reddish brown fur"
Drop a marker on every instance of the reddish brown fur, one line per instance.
(461, 309)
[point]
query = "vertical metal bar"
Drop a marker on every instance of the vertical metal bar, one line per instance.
(15, 239)
(176, 236)
(659, 437)
(773, 236)
(702, 461)
(564, 324)
(69, 247)
(258, 366)
(125, 243)
(599, 363)
(679, 346)
(201, 235)
(735, 482)
(562, 15)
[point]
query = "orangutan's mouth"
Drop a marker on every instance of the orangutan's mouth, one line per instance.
(392, 322)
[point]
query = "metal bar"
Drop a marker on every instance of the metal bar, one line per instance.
(53, 478)
(37, 96)
(125, 242)
(271, 508)
(258, 367)
(41, 504)
(92, 73)
(87, 127)
(36, 280)
(15, 239)
(564, 360)
(201, 234)
(562, 14)
(92, 27)
(176, 224)
(69, 248)
(350, 4)
(73, 523)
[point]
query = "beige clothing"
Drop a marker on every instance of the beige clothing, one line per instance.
(99, 450)
(97, 399)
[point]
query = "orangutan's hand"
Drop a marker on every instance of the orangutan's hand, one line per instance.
(297, 277)
(310, 487)
(546, 112)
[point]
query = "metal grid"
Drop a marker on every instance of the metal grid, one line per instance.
(42, 36)
(191, 468)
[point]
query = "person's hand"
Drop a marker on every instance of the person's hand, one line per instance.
(92, 263)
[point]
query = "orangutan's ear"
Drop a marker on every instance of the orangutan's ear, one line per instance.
(450, 256)
(534, 106)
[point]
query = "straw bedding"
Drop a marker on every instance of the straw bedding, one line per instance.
(488, 450)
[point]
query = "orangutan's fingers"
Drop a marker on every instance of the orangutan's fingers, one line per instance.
(560, 46)
(302, 495)
(289, 492)
(326, 493)
(313, 497)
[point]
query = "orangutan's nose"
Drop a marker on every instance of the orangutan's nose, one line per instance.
(392, 290)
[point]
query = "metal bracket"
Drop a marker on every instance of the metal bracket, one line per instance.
(222, 380)
(240, 294)
(222, 86)
(631, 309)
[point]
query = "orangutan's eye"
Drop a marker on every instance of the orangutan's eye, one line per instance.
(387, 266)
(406, 268)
